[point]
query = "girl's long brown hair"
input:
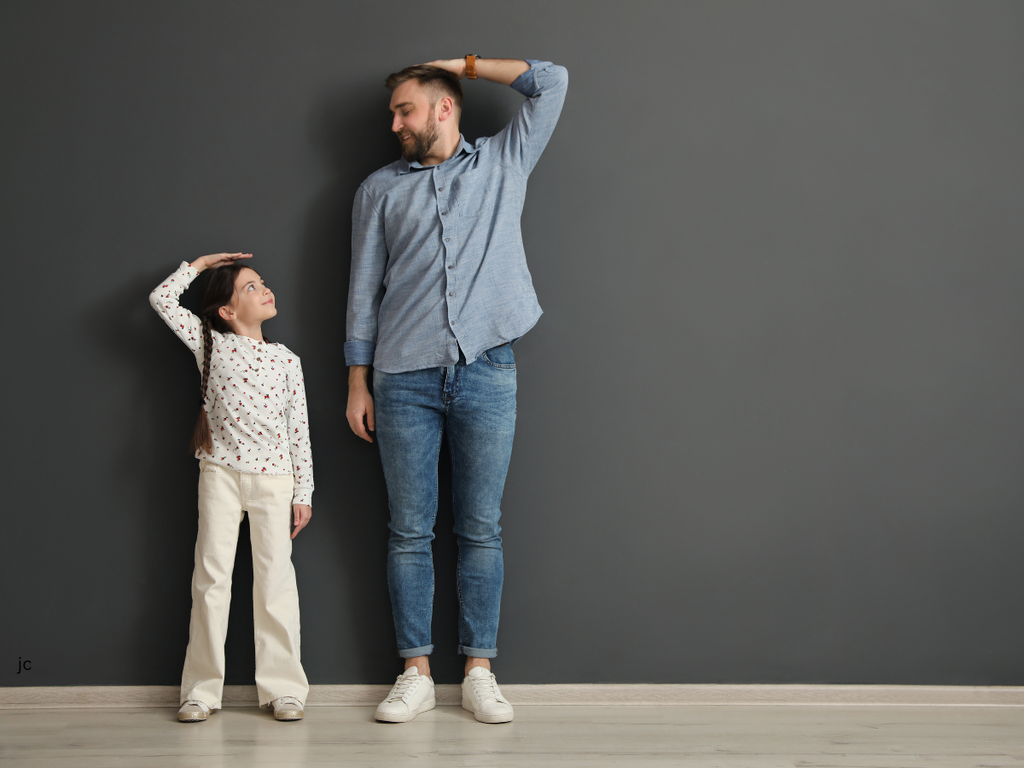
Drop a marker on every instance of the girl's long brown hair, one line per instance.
(220, 287)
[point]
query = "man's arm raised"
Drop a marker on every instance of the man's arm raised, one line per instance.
(504, 71)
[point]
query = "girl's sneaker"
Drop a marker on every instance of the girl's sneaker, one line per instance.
(287, 708)
(193, 711)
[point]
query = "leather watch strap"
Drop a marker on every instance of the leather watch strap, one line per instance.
(471, 66)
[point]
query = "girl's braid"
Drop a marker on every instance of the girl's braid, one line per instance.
(202, 437)
(207, 346)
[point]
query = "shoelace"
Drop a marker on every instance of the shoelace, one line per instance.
(486, 688)
(403, 687)
(285, 701)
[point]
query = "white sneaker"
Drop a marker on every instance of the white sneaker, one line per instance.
(411, 695)
(193, 711)
(480, 695)
(287, 708)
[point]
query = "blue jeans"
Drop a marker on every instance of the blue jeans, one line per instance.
(476, 406)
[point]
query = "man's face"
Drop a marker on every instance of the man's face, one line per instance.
(413, 120)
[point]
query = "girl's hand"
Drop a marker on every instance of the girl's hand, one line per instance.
(215, 260)
(302, 514)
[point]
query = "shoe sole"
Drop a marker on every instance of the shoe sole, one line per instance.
(481, 717)
(192, 718)
(287, 716)
(384, 717)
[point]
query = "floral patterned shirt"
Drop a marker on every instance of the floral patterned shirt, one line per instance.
(256, 400)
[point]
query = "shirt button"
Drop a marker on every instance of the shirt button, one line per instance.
(440, 189)
(451, 293)
(444, 213)
(450, 266)
(453, 322)
(447, 239)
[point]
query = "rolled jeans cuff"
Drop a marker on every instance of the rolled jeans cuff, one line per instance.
(412, 653)
(478, 653)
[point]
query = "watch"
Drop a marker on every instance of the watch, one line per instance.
(471, 65)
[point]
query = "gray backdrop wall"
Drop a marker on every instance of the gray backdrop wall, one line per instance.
(771, 425)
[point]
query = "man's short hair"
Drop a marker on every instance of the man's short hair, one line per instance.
(437, 82)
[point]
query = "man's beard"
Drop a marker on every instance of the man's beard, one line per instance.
(415, 150)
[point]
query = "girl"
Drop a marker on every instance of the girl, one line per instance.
(252, 442)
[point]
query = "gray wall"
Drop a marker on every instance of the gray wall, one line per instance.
(771, 425)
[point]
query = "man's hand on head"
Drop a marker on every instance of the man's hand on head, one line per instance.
(456, 66)
(504, 71)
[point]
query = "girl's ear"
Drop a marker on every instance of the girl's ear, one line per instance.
(226, 312)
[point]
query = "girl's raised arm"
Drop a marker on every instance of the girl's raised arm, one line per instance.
(164, 298)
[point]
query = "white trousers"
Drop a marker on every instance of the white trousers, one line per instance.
(224, 497)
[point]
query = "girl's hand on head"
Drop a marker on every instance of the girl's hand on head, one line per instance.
(302, 514)
(214, 260)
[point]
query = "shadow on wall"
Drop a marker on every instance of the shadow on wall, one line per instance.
(355, 642)
(163, 402)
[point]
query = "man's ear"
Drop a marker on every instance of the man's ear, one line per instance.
(445, 108)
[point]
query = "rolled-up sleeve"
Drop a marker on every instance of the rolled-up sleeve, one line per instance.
(366, 282)
(523, 140)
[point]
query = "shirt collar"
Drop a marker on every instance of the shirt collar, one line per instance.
(404, 166)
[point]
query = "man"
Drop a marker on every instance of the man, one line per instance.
(439, 291)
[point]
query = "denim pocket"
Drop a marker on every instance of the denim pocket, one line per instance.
(500, 357)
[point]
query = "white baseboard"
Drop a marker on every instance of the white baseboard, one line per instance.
(548, 695)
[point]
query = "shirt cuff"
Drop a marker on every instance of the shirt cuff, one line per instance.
(359, 352)
(303, 496)
(526, 83)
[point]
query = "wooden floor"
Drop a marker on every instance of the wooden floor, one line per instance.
(541, 736)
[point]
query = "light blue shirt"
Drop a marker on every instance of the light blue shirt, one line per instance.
(437, 251)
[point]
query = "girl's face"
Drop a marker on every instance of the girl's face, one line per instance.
(252, 302)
